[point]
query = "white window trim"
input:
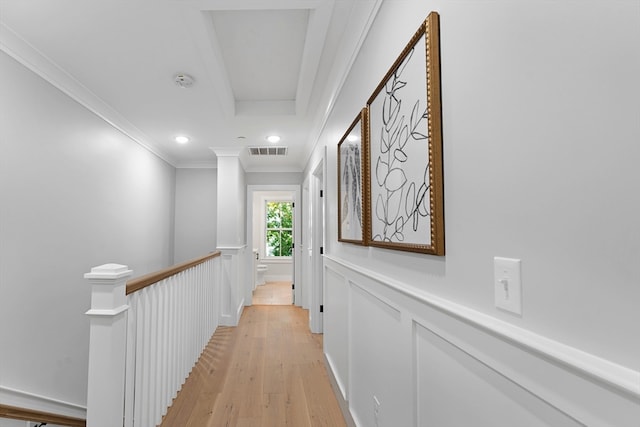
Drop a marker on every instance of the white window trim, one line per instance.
(275, 258)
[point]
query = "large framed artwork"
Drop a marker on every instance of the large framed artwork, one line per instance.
(351, 215)
(404, 191)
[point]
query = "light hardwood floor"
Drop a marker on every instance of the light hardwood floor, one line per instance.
(268, 371)
(273, 293)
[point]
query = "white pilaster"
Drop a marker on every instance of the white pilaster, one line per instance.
(231, 198)
(232, 215)
(232, 279)
(107, 346)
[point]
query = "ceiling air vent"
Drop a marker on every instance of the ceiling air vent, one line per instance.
(268, 151)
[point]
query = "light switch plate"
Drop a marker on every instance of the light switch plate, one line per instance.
(507, 283)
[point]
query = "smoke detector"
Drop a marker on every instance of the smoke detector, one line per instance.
(184, 80)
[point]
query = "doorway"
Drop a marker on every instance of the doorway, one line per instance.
(275, 270)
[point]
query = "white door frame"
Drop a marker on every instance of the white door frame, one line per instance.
(317, 241)
(306, 248)
(295, 189)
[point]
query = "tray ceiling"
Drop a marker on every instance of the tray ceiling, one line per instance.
(259, 67)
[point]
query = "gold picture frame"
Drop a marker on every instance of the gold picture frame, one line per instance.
(404, 194)
(351, 160)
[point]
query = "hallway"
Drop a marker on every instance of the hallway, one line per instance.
(273, 293)
(269, 371)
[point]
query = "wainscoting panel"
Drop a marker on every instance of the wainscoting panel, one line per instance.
(488, 397)
(232, 285)
(379, 363)
(336, 345)
(432, 362)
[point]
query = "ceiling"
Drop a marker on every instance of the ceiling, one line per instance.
(260, 67)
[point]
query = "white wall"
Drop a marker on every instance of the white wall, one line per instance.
(541, 130)
(75, 193)
(231, 208)
(195, 206)
(274, 178)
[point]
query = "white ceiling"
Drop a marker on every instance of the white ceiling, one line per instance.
(261, 67)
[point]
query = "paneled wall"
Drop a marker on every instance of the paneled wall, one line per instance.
(540, 148)
(430, 362)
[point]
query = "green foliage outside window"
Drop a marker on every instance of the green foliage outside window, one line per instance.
(279, 228)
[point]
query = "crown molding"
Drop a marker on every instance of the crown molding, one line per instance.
(339, 73)
(19, 49)
(317, 29)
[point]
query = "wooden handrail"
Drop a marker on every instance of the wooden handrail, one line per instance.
(15, 413)
(141, 282)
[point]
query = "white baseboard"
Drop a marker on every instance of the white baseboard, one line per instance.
(23, 399)
(566, 382)
(344, 405)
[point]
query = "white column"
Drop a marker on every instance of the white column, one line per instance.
(231, 198)
(231, 227)
(107, 345)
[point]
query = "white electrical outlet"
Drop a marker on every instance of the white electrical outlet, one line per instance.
(507, 283)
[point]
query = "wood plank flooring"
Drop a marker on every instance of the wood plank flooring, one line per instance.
(273, 293)
(268, 371)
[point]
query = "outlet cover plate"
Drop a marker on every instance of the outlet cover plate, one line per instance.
(507, 283)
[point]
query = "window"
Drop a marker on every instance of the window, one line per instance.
(279, 229)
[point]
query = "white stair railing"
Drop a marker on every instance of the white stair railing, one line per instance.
(146, 337)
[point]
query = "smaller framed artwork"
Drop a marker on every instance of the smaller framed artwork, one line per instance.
(404, 176)
(351, 159)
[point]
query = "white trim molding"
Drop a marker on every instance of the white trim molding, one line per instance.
(552, 379)
(23, 399)
(20, 50)
(602, 370)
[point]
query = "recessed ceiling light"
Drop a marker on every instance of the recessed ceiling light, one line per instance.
(273, 138)
(352, 138)
(182, 139)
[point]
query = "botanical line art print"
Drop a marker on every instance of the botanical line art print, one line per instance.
(405, 164)
(350, 192)
(401, 203)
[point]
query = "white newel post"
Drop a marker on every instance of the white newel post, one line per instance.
(107, 345)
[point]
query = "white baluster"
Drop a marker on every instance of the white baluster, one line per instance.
(159, 393)
(183, 330)
(189, 329)
(168, 326)
(213, 312)
(173, 350)
(148, 359)
(139, 370)
(164, 398)
(130, 371)
(153, 329)
(199, 325)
